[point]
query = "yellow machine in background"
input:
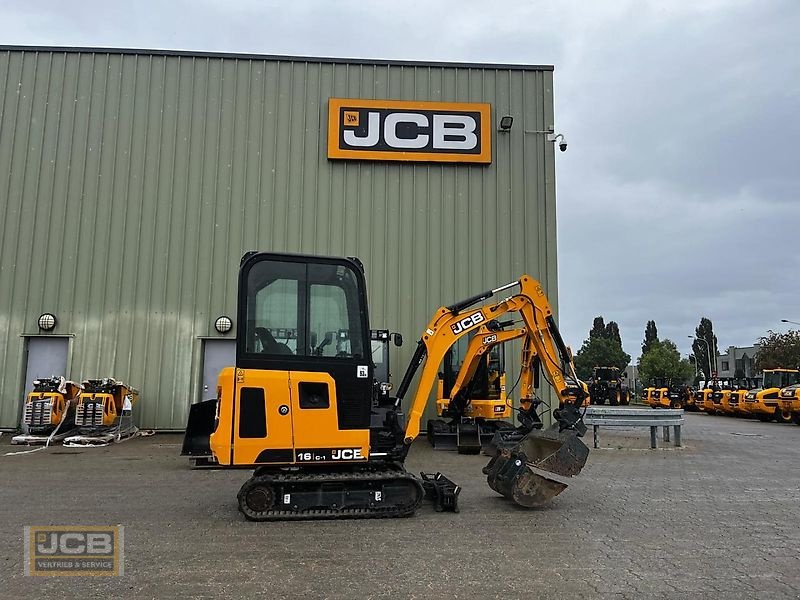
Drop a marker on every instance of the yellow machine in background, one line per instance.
(659, 390)
(789, 401)
(763, 402)
(608, 386)
(49, 410)
(648, 396)
(675, 395)
(312, 422)
(471, 398)
(104, 413)
(703, 397)
(720, 395)
(733, 398)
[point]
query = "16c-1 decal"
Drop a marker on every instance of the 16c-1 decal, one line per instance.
(409, 131)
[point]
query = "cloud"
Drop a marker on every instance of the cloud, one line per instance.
(679, 194)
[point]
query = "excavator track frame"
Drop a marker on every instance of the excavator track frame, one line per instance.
(357, 493)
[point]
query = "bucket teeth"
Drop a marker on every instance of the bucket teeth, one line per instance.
(512, 472)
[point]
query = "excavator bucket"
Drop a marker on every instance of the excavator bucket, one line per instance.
(522, 464)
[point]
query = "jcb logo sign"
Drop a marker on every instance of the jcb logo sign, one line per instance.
(409, 131)
(73, 550)
(467, 322)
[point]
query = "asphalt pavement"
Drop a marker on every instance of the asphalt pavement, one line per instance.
(718, 517)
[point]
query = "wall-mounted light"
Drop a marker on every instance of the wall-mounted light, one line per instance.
(506, 123)
(47, 322)
(223, 324)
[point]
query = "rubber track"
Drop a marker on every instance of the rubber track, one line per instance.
(385, 474)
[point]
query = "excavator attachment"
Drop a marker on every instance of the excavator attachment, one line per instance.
(200, 426)
(523, 463)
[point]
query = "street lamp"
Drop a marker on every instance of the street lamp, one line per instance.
(788, 321)
(708, 346)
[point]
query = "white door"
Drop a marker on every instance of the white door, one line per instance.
(217, 354)
(47, 357)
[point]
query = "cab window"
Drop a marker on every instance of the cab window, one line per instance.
(303, 310)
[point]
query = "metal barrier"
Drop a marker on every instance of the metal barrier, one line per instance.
(616, 416)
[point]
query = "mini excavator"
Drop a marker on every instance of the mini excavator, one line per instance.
(308, 415)
(471, 401)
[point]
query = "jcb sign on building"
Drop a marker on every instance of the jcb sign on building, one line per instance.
(409, 131)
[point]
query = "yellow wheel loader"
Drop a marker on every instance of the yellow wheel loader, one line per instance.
(659, 392)
(49, 411)
(649, 397)
(789, 401)
(763, 402)
(324, 443)
(676, 395)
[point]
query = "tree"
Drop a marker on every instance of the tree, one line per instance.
(650, 337)
(778, 350)
(600, 352)
(612, 332)
(598, 328)
(662, 359)
(601, 330)
(705, 340)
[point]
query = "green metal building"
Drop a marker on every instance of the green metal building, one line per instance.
(132, 181)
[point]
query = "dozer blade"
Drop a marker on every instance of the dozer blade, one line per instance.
(514, 470)
(200, 426)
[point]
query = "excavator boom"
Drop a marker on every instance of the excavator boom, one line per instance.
(522, 454)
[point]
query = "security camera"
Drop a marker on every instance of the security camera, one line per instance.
(562, 144)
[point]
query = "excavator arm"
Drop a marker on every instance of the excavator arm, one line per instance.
(542, 340)
(525, 459)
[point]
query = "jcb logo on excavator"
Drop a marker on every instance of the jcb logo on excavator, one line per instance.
(409, 131)
(468, 322)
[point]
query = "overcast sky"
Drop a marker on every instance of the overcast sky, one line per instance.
(682, 121)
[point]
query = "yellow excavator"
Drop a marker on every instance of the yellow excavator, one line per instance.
(471, 400)
(310, 420)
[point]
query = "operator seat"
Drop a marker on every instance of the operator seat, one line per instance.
(268, 343)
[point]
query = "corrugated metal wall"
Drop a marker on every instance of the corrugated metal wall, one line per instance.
(131, 184)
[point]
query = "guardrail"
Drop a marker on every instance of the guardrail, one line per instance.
(615, 416)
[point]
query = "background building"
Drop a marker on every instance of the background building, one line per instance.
(131, 183)
(737, 362)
